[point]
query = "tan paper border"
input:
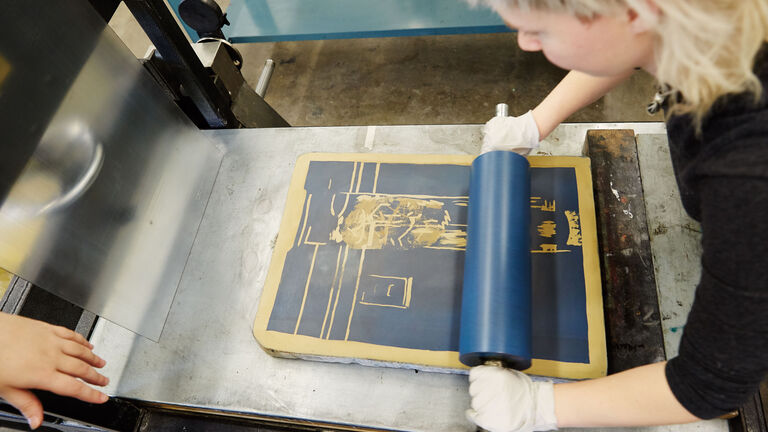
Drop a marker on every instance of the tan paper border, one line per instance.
(295, 345)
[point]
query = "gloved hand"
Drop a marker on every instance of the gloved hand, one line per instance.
(506, 400)
(517, 134)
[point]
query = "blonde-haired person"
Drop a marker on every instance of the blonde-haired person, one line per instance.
(712, 56)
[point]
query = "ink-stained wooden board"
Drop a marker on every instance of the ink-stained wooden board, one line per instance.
(634, 335)
(368, 264)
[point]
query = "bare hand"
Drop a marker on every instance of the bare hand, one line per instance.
(37, 355)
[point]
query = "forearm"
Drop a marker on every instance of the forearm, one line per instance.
(637, 397)
(574, 92)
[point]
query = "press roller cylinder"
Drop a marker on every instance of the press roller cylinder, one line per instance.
(496, 298)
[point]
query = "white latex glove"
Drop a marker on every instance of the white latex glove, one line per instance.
(506, 400)
(517, 134)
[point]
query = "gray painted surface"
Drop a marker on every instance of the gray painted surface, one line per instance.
(675, 239)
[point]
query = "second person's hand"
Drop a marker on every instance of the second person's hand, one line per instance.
(37, 355)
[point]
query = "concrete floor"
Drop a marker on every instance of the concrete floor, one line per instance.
(454, 79)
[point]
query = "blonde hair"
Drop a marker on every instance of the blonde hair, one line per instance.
(704, 49)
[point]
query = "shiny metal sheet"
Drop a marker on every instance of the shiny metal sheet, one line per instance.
(107, 207)
(207, 357)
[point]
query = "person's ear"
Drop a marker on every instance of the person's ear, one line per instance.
(644, 16)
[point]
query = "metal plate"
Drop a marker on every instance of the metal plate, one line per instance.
(207, 357)
(106, 209)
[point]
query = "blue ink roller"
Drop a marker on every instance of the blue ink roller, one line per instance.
(495, 323)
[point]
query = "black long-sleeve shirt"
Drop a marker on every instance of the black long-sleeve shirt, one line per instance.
(723, 179)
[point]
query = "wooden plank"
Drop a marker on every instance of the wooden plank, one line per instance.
(764, 402)
(752, 417)
(633, 325)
